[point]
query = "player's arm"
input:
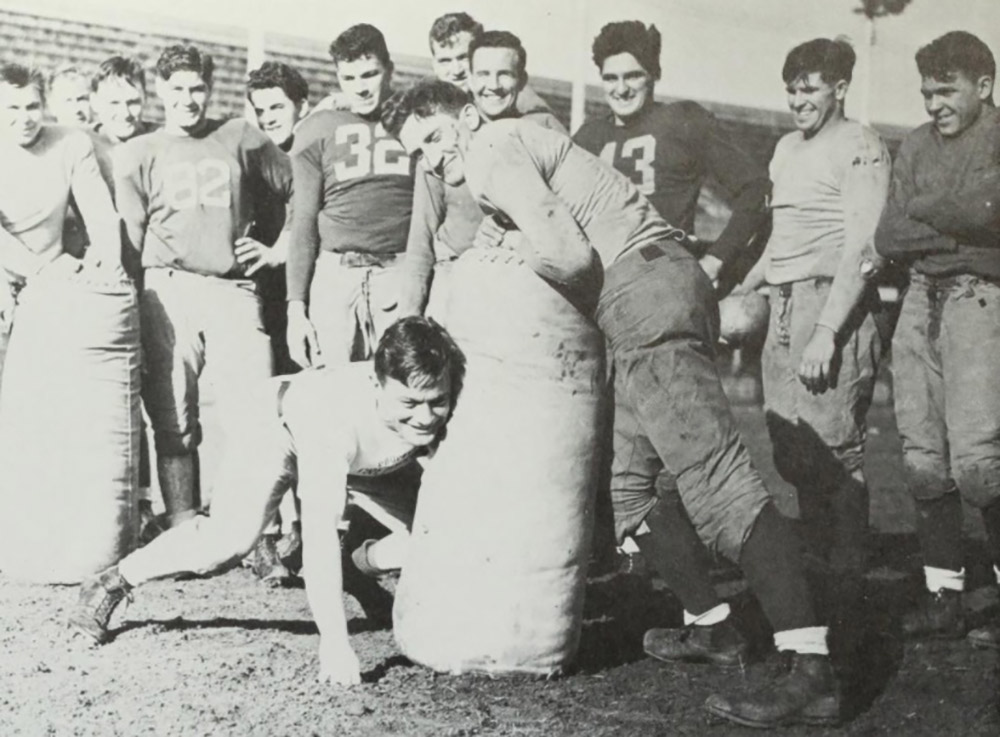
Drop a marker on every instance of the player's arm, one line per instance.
(864, 189)
(747, 187)
(322, 487)
(93, 200)
(270, 183)
(130, 197)
(303, 249)
(968, 212)
(554, 245)
(899, 236)
(428, 214)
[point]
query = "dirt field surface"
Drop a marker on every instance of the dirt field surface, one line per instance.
(225, 656)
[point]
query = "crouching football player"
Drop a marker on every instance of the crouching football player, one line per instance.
(313, 430)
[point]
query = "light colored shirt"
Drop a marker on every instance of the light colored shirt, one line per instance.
(828, 190)
(35, 195)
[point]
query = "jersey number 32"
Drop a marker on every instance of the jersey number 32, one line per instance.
(386, 156)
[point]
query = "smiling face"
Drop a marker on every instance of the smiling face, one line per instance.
(450, 59)
(418, 413)
(440, 142)
(21, 111)
(69, 100)
(814, 102)
(276, 113)
(119, 104)
(954, 104)
(365, 81)
(496, 80)
(628, 87)
(185, 98)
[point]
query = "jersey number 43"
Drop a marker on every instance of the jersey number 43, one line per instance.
(642, 152)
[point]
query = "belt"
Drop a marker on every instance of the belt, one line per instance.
(361, 259)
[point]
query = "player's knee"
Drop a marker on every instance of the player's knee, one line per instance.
(928, 483)
(979, 482)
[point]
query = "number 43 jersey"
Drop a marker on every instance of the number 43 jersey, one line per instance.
(668, 151)
(185, 200)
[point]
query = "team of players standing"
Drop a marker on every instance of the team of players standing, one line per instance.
(388, 191)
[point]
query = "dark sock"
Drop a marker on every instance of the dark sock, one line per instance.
(772, 563)
(991, 520)
(939, 529)
(677, 555)
(848, 554)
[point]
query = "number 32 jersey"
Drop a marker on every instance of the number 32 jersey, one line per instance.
(185, 200)
(353, 192)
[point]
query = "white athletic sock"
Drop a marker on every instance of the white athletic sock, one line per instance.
(996, 572)
(714, 615)
(805, 640)
(943, 578)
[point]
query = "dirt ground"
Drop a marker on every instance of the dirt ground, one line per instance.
(224, 656)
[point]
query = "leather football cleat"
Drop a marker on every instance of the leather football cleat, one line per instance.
(939, 615)
(99, 596)
(806, 694)
(267, 565)
(719, 644)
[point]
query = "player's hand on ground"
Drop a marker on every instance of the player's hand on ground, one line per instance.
(303, 345)
(337, 663)
(490, 234)
(711, 266)
(817, 359)
(252, 255)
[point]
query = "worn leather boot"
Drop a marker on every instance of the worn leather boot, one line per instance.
(99, 596)
(719, 644)
(939, 615)
(806, 694)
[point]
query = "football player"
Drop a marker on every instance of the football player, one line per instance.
(658, 312)
(941, 222)
(353, 196)
(309, 430)
(187, 195)
(69, 97)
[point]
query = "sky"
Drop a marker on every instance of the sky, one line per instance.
(728, 51)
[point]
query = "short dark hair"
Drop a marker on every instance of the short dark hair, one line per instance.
(120, 67)
(417, 351)
(425, 98)
(18, 75)
(833, 59)
(449, 24)
(360, 40)
(953, 53)
(501, 40)
(181, 58)
(629, 37)
(272, 74)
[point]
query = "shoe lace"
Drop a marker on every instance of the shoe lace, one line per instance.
(111, 599)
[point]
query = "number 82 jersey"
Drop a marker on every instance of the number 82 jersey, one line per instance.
(184, 200)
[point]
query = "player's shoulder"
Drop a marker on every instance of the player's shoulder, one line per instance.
(863, 144)
(679, 112)
(322, 123)
(595, 129)
(76, 139)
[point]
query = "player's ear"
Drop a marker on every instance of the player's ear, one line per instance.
(471, 117)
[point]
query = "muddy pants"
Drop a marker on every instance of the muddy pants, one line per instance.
(659, 315)
(947, 395)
